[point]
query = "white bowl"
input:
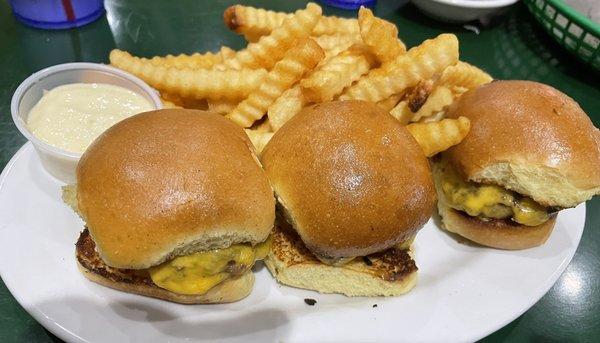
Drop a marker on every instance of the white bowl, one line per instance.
(460, 11)
(58, 162)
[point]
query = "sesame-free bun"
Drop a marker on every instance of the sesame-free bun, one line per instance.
(139, 281)
(530, 138)
(388, 273)
(172, 182)
(496, 233)
(228, 291)
(350, 178)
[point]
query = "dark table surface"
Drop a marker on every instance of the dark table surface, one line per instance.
(513, 47)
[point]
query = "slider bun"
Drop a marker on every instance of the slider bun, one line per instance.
(227, 291)
(389, 273)
(172, 182)
(530, 138)
(501, 234)
(350, 178)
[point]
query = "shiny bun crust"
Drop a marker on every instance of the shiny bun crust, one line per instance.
(350, 178)
(500, 234)
(530, 138)
(172, 182)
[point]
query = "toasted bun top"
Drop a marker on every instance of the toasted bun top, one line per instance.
(530, 138)
(172, 182)
(351, 179)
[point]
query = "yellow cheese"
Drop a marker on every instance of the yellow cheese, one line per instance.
(490, 201)
(261, 250)
(529, 212)
(199, 272)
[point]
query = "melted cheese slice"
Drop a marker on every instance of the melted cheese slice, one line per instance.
(490, 201)
(199, 272)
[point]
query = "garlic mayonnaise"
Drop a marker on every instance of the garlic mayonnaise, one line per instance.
(71, 116)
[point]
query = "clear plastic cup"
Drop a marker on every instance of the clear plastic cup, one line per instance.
(58, 162)
(57, 14)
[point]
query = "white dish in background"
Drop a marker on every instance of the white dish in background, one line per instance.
(461, 11)
(61, 163)
(463, 294)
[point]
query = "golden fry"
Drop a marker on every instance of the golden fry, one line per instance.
(263, 125)
(256, 22)
(337, 73)
(297, 61)
(169, 104)
(285, 107)
(433, 118)
(417, 95)
(401, 112)
(329, 25)
(194, 61)
(389, 103)
(379, 35)
(406, 70)
(440, 98)
(270, 49)
(464, 75)
(222, 106)
(259, 139)
(188, 83)
(334, 44)
(253, 22)
(438, 136)
(180, 102)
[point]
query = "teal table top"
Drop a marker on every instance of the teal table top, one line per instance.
(513, 47)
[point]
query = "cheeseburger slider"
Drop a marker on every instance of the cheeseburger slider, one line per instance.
(531, 152)
(176, 207)
(353, 188)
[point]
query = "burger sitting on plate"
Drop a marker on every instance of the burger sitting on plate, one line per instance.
(176, 206)
(353, 188)
(531, 152)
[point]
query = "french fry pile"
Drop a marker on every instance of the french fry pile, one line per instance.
(293, 60)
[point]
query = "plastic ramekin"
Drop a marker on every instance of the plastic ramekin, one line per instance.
(58, 162)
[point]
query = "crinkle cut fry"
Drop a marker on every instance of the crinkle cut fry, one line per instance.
(285, 107)
(188, 83)
(464, 75)
(438, 136)
(419, 63)
(256, 22)
(259, 139)
(337, 73)
(270, 49)
(297, 61)
(193, 61)
(379, 35)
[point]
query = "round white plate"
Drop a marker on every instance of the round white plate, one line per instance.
(463, 293)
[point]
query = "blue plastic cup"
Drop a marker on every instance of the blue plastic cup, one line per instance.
(349, 4)
(57, 14)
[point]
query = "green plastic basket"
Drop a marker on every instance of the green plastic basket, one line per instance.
(577, 33)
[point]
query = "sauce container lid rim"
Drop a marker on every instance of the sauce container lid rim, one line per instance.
(43, 73)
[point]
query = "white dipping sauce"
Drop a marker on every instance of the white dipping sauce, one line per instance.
(71, 116)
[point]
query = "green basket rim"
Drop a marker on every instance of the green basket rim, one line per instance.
(575, 15)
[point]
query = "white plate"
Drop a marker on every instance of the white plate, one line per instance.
(464, 292)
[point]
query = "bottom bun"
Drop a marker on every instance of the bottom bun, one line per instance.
(501, 234)
(139, 282)
(228, 291)
(389, 273)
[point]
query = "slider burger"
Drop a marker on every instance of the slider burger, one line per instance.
(176, 207)
(353, 188)
(531, 152)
